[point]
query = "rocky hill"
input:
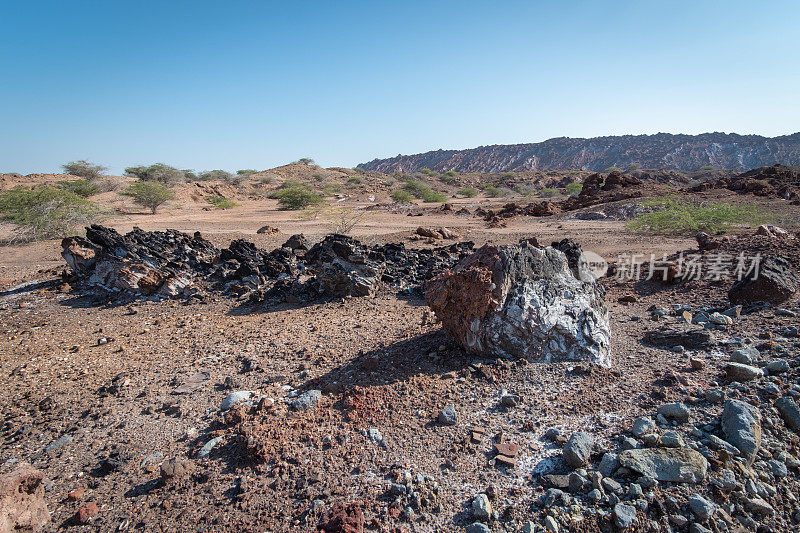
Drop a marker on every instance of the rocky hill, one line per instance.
(662, 150)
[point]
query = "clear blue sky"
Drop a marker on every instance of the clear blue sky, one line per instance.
(256, 84)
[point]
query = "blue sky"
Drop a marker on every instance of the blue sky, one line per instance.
(234, 85)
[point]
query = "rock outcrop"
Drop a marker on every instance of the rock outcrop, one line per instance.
(774, 282)
(522, 301)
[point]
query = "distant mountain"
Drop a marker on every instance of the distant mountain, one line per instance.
(662, 150)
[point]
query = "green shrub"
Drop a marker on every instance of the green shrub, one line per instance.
(215, 175)
(148, 194)
(158, 172)
(574, 188)
(679, 216)
(633, 167)
(431, 196)
(402, 196)
(83, 188)
(492, 191)
(415, 188)
(525, 190)
(190, 175)
(297, 196)
(509, 175)
(306, 161)
(330, 189)
(354, 180)
(246, 172)
(44, 212)
(613, 169)
(428, 172)
(318, 177)
(469, 192)
(548, 193)
(707, 167)
(220, 202)
(84, 169)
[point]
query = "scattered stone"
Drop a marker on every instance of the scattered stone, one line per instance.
(85, 513)
(608, 464)
(775, 282)
(682, 334)
(509, 400)
(235, 398)
(624, 515)
(307, 400)
(672, 439)
(481, 507)
(674, 411)
(745, 356)
(702, 508)
(478, 527)
(342, 518)
(789, 412)
(578, 449)
(741, 424)
(759, 506)
(777, 367)
(176, 468)
(22, 503)
(742, 373)
(720, 319)
(696, 364)
(448, 416)
(75, 495)
(205, 451)
(58, 443)
(681, 465)
(550, 524)
(643, 425)
(193, 383)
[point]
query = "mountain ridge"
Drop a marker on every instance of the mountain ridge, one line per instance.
(682, 152)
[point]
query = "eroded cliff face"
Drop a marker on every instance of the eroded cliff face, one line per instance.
(662, 150)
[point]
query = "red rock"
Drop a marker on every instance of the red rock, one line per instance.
(22, 503)
(85, 513)
(75, 495)
(342, 518)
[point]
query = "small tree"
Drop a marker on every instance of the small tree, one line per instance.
(85, 169)
(574, 188)
(401, 196)
(297, 197)
(158, 172)
(306, 161)
(44, 212)
(148, 194)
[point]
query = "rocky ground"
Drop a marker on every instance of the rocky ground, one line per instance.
(344, 413)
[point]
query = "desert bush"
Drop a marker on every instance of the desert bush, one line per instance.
(415, 188)
(509, 175)
(296, 196)
(330, 189)
(402, 196)
(613, 169)
(305, 161)
(354, 180)
(428, 172)
(83, 188)
(220, 202)
(574, 188)
(44, 212)
(148, 194)
(491, 191)
(707, 167)
(548, 193)
(318, 177)
(214, 175)
(469, 192)
(85, 169)
(431, 196)
(190, 175)
(246, 172)
(158, 172)
(673, 215)
(525, 190)
(343, 220)
(633, 167)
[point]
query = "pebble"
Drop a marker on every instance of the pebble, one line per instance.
(447, 416)
(672, 439)
(578, 449)
(85, 513)
(208, 446)
(477, 527)
(740, 372)
(720, 320)
(789, 412)
(481, 507)
(674, 411)
(745, 356)
(550, 524)
(608, 464)
(58, 443)
(307, 400)
(235, 398)
(643, 425)
(777, 367)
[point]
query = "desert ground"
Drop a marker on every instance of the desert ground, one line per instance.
(116, 400)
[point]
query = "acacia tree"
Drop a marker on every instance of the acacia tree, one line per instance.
(149, 194)
(85, 169)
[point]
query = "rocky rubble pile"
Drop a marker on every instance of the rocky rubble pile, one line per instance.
(164, 264)
(777, 181)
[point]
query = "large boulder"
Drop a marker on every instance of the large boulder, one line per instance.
(676, 465)
(22, 503)
(522, 301)
(774, 282)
